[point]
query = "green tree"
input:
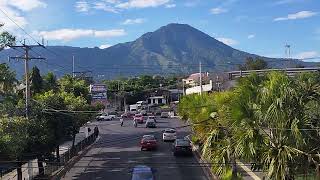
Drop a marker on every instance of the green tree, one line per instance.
(6, 39)
(14, 139)
(50, 82)
(57, 122)
(36, 81)
(75, 86)
(254, 64)
(8, 79)
(270, 120)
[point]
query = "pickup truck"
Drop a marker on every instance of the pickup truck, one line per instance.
(105, 117)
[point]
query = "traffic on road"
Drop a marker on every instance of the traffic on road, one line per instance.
(139, 153)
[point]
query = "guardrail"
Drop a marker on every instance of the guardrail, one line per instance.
(49, 166)
(290, 72)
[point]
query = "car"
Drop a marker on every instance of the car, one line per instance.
(164, 115)
(181, 147)
(105, 117)
(151, 123)
(138, 118)
(142, 172)
(152, 117)
(143, 112)
(148, 142)
(169, 134)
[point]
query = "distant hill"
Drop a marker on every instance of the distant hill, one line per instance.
(175, 48)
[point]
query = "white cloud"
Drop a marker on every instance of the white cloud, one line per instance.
(15, 16)
(133, 21)
(82, 6)
(251, 36)
(218, 10)
(71, 34)
(105, 46)
(281, 2)
(228, 41)
(141, 3)
(14, 9)
(112, 1)
(26, 5)
(105, 7)
(298, 15)
(307, 55)
(171, 5)
(109, 33)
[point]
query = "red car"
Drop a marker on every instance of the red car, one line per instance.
(139, 118)
(148, 142)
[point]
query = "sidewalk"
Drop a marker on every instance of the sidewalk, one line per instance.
(30, 170)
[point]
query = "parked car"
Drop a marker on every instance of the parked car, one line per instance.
(105, 117)
(164, 115)
(181, 147)
(138, 118)
(142, 172)
(151, 123)
(148, 142)
(169, 134)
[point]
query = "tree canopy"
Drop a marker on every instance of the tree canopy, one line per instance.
(254, 64)
(271, 121)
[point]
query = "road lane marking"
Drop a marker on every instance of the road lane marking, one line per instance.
(115, 158)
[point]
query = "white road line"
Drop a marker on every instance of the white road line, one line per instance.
(115, 158)
(250, 173)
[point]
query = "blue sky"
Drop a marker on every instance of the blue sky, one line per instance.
(257, 26)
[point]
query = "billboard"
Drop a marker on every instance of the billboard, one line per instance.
(98, 88)
(99, 94)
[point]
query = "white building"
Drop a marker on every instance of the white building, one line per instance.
(156, 100)
(197, 89)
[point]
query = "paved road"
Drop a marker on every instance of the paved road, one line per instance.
(117, 151)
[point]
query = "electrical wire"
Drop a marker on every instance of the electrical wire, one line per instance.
(6, 14)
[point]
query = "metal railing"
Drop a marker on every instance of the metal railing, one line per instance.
(290, 72)
(49, 166)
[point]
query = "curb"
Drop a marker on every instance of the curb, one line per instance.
(206, 169)
(63, 170)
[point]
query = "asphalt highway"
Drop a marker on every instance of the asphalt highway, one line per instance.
(117, 151)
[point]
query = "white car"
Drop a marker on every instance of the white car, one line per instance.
(169, 134)
(106, 117)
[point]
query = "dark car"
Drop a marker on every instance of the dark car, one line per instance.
(150, 123)
(142, 172)
(148, 142)
(182, 147)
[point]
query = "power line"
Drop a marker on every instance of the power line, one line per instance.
(3, 11)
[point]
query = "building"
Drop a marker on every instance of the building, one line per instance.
(157, 100)
(197, 89)
(194, 79)
(175, 94)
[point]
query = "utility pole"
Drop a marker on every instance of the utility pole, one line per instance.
(26, 60)
(200, 78)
